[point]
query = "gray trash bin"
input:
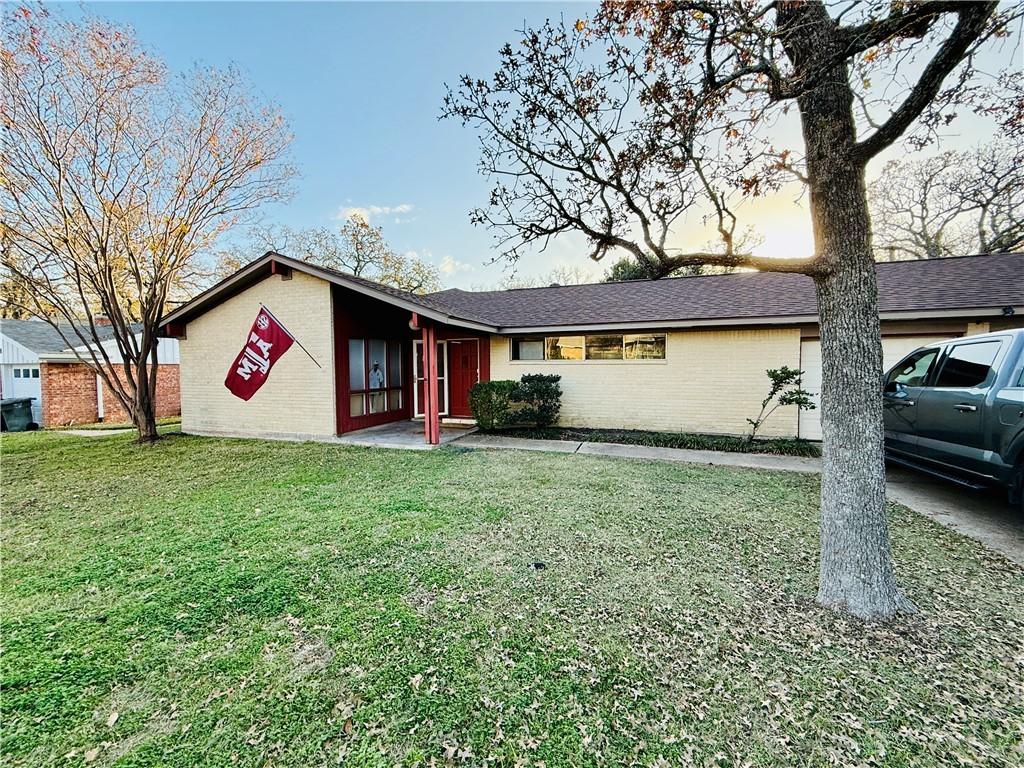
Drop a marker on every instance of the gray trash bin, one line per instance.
(16, 414)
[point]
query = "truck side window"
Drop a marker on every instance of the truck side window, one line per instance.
(968, 365)
(913, 371)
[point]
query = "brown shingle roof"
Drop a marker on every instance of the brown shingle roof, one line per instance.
(968, 282)
(914, 287)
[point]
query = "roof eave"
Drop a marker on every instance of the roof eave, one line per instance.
(209, 297)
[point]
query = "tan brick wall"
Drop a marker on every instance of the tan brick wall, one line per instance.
(710, 381)
(297, 399)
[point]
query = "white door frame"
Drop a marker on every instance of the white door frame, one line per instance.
(442, 381)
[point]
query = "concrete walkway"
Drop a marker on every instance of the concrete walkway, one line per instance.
(620, 451)
(96, 432)
(981, 515)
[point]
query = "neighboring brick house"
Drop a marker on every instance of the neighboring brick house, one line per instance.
(684, 354)
(36, 362)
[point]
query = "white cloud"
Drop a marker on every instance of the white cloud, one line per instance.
(451, 265)
(369, 212)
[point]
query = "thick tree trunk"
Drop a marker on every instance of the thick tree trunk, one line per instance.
(856, 570)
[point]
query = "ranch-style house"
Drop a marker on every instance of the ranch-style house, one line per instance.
(684, 354)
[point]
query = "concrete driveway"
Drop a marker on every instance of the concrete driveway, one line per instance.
(982, 515)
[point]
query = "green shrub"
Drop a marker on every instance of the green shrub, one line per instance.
(540, 397)
(491, 403)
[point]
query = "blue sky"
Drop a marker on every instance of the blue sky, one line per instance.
(361, 85)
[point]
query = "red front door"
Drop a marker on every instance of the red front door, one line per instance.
(463, 373)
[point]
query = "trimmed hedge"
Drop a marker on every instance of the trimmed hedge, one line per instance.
(541, 399)
(490, 402)
(535, 399)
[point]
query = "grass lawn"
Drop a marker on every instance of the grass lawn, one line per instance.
(211, 602)
(731, 443)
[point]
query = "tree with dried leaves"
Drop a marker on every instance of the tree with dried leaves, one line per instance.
(652, 116)
(116, 176)
(952, 204)
(560, 275)
(358, 248)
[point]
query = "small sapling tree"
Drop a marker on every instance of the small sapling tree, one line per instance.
(786, 389)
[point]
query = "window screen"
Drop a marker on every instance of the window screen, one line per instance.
(604, 347)
(378, 378)
(528, 349)
(644, 346)
(564, 347)
(968, 365)
(356, 365)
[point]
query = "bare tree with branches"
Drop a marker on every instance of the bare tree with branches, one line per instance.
(358, 248)
(652, 116)
(952, 204)
(116, 176)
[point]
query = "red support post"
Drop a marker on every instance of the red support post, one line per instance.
(425, 362)
(431, 407)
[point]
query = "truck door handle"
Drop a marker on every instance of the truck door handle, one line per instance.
(965, 408)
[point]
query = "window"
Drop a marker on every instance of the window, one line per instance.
(17, 373)
(601, 346)
(395, 366)
(528, 349)
(564, 348)
(378, 375)
(640, 346)
(913, 371)
(35, 373)
(374, 376)
(605, 347)
(356, 365)
(968, 365)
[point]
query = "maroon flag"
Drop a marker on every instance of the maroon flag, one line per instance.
(267, 341)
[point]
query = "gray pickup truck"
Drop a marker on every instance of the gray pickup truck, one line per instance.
(956, 409)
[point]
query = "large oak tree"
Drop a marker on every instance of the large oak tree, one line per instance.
(633, 124)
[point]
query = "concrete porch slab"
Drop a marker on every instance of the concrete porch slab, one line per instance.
(401, 434)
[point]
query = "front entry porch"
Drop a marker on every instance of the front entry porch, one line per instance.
(393, 365)
(402, 434)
